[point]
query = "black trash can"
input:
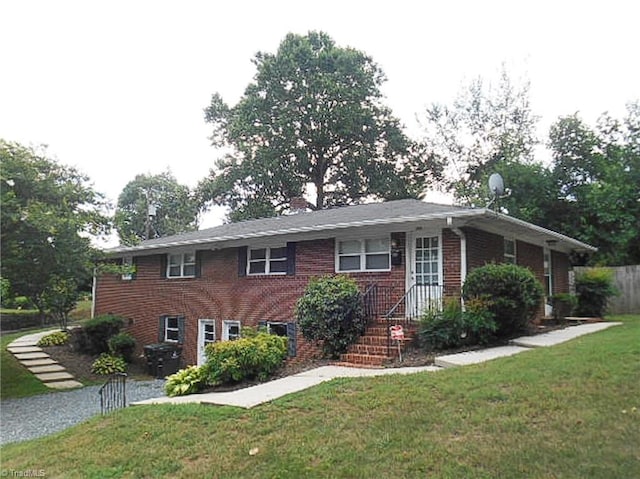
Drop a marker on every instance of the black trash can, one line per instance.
(163, 359)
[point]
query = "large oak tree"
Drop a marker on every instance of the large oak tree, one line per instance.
(313, 115)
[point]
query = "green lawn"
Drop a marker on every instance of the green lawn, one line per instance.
(15, 380)
(571, 411)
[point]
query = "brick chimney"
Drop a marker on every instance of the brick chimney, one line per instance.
(298, 205)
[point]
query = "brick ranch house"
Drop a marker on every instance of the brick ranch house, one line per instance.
(203, 286)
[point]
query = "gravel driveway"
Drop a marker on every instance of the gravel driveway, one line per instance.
(37, 416)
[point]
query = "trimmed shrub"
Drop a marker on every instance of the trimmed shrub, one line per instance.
(107, 364)
(98, 331)
(54, 339)
(594, 287)
(563, 305)
(331, 311)
(452, 327)
(245, 358)
(513, 292)
(186, 381)
(122, 344)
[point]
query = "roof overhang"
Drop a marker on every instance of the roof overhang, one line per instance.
(479, 218)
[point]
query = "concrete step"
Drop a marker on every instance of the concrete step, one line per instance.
(47, 368)
(54, 377)
(70, 384)
(23, 356)
(37, 362)
(375, 350)
(24, 349)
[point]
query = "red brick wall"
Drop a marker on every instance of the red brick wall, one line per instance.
(451, 255)
(220, 293)
(483, 248)
(560, 265)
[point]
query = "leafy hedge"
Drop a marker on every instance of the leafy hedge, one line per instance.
(594, 287)
(331, 311)
(513, 293)
(452, 327)
(93, 337)
(245, 358)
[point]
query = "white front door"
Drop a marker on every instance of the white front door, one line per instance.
(206, 335)
(424, 281)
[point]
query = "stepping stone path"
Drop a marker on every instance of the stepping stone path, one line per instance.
(31, 356)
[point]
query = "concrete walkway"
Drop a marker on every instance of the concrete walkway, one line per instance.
(262, 393)
(26, 350)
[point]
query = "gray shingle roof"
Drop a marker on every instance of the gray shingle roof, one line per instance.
(388, 213)
(334, 218)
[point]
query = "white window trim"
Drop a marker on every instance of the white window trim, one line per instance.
(167, 329)
(226, 324)
(363, 254)
(511, 258)
(127, 261)
(267, 260)
(182, 264)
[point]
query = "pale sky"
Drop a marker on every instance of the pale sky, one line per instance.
(118, 88)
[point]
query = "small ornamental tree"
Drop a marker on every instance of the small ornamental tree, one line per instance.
(331, 311)
(514, 295)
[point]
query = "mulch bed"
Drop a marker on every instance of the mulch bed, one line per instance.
(79, 365)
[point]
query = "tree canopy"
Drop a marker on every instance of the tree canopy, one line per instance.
(48, 213)
(488, 128)
(313, 115)
(173, 207)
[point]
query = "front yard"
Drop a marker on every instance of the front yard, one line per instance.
(572, 410)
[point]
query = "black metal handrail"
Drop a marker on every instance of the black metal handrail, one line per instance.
(113, 393)
(376, 299)
(412, 305)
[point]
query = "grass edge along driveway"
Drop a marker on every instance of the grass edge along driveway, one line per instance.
(567, 411)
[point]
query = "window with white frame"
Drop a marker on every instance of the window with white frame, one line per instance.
(181, 265)
(171, 329)
(127, 263)
(231, 330)
(369, 254)
(510, 251)
(267, 260)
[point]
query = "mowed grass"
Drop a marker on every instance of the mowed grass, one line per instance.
(15, 380)
(570, 411)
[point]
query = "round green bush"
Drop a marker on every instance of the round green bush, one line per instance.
(331, 311)
(258, 356)
(107, 364)
(186, 381)
(57, 338)
(594, 287)
(513, 293)
(122, 344)
(98, 331)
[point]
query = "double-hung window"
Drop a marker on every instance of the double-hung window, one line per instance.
(267, 261)
(127, 263)
(171, 329)
(231, 330)
(370, 254)
(510, 251)
(181, 265)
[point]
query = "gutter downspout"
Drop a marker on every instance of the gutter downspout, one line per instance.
(94, 288)
(463, 259)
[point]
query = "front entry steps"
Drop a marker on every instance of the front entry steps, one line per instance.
(53, 375)
(371, 348)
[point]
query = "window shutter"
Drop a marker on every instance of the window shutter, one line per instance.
(262, 326)
(242, 261)
(291, 339)
(161, 326)
(163, 265)
(291, 259)
(181, 330)
(198, 264)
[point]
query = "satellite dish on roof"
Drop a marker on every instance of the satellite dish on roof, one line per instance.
(496, 185)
